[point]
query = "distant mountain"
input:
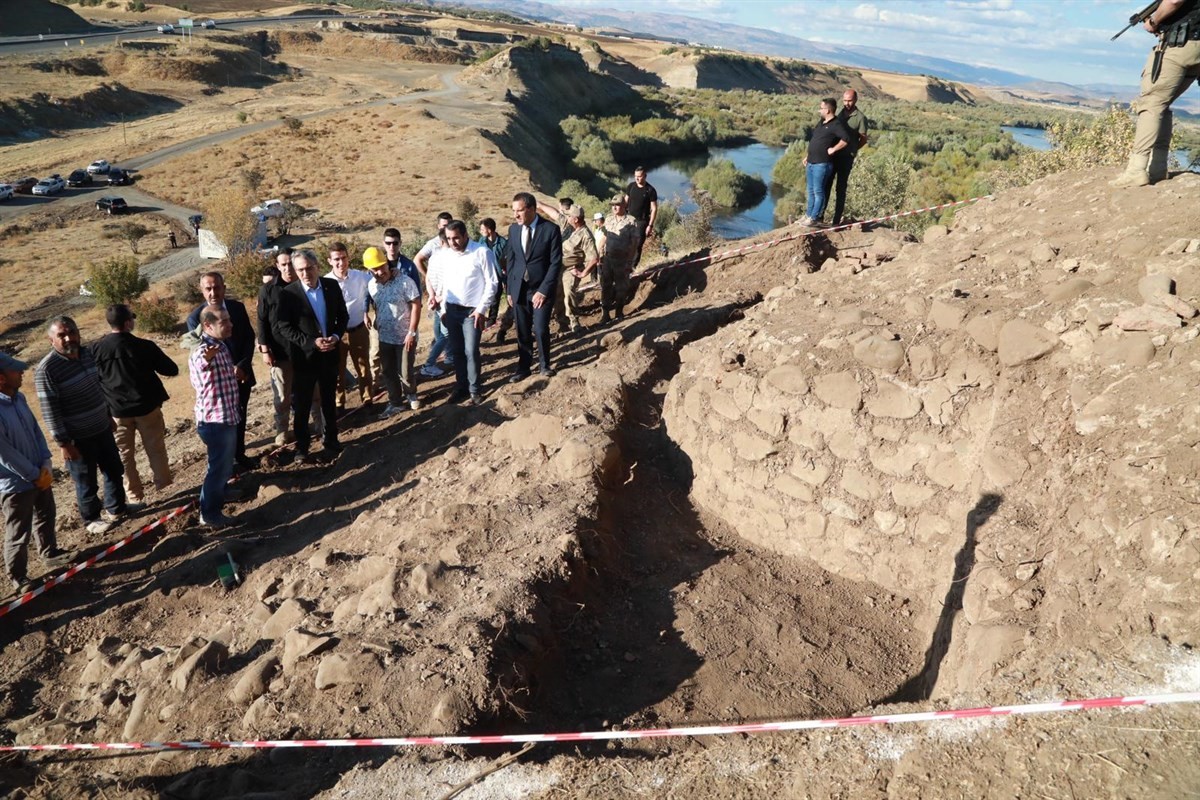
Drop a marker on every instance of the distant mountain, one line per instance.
(746, 39)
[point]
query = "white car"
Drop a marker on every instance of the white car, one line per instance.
(208, 24)
(6, 191)
(269, 209)
(100, 167)
(52, 185)
(167, 28)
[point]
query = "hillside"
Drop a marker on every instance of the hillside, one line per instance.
(40, 16)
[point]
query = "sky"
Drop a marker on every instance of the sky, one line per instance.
(1056, 40)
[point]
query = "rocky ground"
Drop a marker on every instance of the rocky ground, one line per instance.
(845, 473)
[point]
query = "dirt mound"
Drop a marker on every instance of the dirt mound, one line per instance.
(86, 66)
(922, 88)
(364, 45)
(106, 102)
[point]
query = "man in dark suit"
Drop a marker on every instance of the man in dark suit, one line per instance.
(534, 266)
(311, 320)
(241, 345)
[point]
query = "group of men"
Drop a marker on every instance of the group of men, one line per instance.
(834, 143)
(96, 400)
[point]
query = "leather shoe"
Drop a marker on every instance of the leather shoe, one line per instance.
(457, 398)
(517, 377)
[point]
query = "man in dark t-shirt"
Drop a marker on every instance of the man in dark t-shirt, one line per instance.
(856, 124)
(828, 139)
(642, 201)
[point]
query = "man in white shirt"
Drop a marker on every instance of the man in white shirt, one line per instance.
(463, 284)
(421, 259)
(355, 346)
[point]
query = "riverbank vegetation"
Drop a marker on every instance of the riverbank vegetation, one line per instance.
(920, 154)
(728, 186)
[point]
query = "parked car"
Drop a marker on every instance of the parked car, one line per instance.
(6, 191)
(100, 167)
(24, 185)
(80, 177)
(119, 177)
(269, 209)
(112, 205)
(208, 24)
(52, 185)
(167, 28)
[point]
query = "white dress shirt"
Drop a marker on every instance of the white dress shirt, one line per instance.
(354, 292)
(464, 279)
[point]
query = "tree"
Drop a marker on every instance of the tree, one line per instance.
(117, 280)
(132, 233)
(253, 178)
(228, 215)
(293, 212)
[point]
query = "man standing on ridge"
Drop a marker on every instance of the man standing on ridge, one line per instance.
(642, 200)
(828, 138)
(534, 267)
(438, 348)
(241, 345)
(1173, 66)
(73, 408)
(355, 346)
(463, 283)
(843, 161)
(580, 260)
(312, 318)
(26, 482)
(129, 367)
(218, 408)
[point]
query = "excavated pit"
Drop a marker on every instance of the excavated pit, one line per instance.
(670, 618)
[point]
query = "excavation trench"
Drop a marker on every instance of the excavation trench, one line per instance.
(670, 618)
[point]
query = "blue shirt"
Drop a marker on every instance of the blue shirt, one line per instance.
(23, 450)
(316, 299)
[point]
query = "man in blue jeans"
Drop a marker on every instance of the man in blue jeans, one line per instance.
(218, 410)
(73, 408)
(828, 138)
(463, 283)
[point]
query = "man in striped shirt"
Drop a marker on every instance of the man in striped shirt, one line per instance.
(218, 410)
(73, 407)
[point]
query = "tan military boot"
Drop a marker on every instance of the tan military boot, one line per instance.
(1135, 172)
(1159, 157)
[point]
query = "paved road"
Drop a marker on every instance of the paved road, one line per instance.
(58, 42)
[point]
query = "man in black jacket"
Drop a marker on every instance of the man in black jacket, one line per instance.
(129, 368)
(241, 348)
(275, 351)
(311, 320)
(534, 267)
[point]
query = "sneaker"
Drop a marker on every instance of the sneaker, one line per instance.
(22, 585)
(432, 371)
(108, 516)
(805, 222)
(99, 526)
(218, 520)
(413, 402)
(389, 410)
(58, 557)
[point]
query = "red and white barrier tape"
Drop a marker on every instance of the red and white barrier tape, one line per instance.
(92, 561)
(112, 548)
(714, 258)
(646, 733)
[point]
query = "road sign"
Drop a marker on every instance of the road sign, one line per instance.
(185, 23)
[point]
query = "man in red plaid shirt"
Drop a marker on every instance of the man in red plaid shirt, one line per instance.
(217, 411)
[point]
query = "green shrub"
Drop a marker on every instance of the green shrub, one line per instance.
(242, 117)
(1103, 141)
(789, 171)
(694, 230)
(728, 186)
(137, 6)
(117, 280)
(158, 314)
(596, 155)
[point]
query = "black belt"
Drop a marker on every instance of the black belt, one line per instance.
(356, 327)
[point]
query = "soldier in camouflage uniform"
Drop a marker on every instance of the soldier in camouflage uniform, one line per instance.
(580, 259)
(622, 235)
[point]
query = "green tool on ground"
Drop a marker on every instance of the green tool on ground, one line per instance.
(228, 573)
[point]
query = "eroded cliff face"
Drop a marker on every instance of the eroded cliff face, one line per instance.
(1001, 420)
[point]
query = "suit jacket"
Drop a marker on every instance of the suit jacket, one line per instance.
(268, 309)
(242, 344)
(296, 323)
(543, 265)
